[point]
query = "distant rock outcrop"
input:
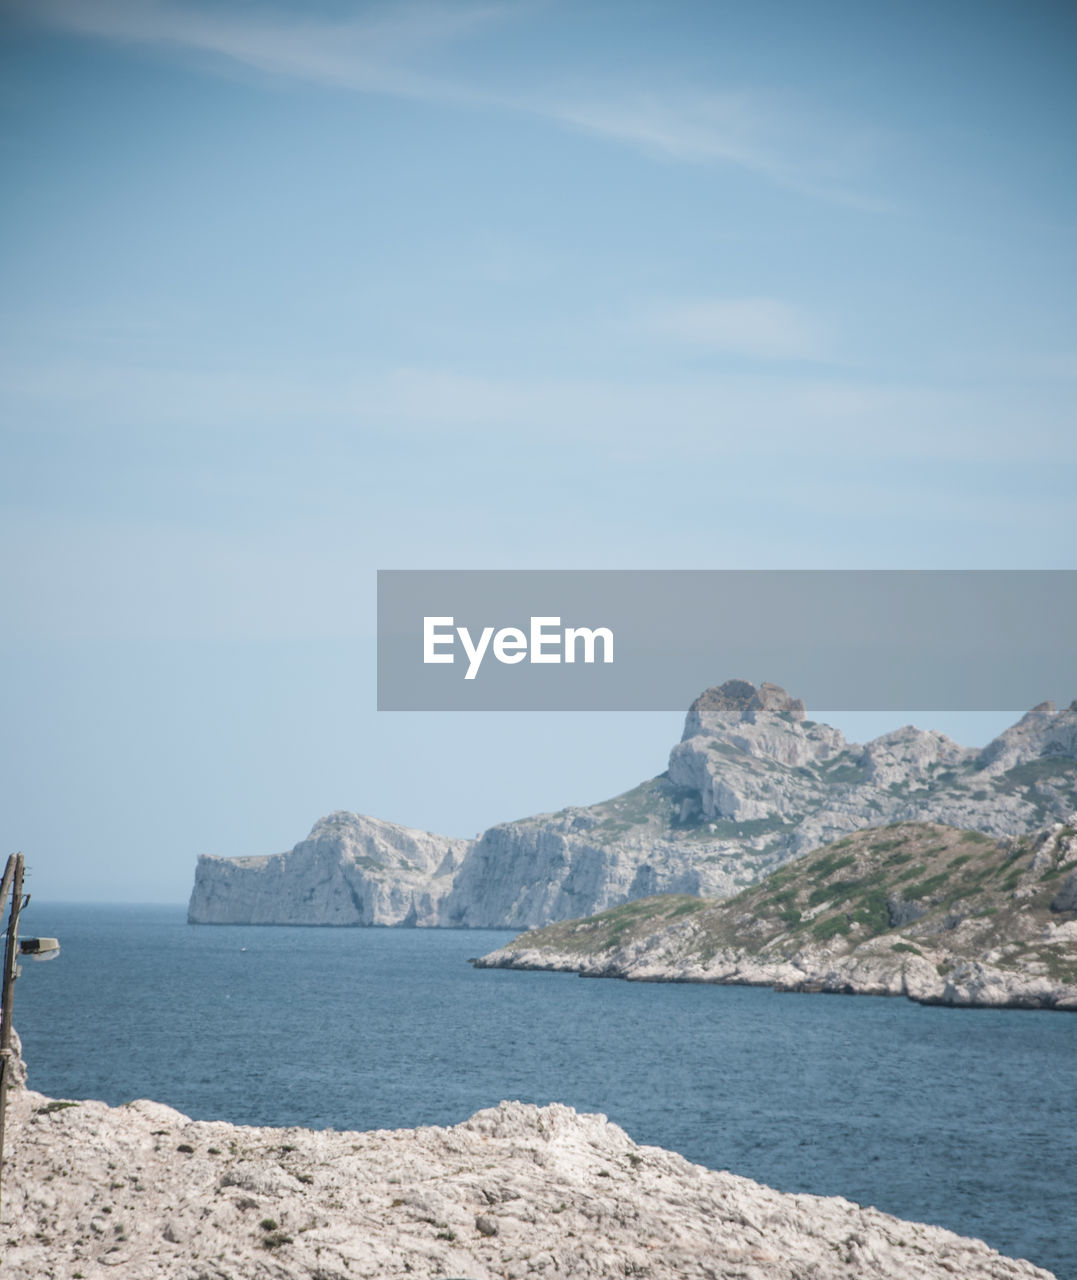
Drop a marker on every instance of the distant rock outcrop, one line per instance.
(350, 870)
(751, 784)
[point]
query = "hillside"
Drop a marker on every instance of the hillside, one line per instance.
(941, 915)
(752, 783)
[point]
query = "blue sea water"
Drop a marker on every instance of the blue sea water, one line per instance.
(963, 1118)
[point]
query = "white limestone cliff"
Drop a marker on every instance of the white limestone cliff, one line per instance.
(751, 784)
(350, 870)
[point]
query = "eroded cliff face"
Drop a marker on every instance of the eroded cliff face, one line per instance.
(750, 759)
(751, 784)
(350, 870)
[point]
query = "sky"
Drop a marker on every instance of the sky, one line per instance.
(296, 292)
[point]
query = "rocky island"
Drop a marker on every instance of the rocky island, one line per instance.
(934, 913)
(144, 1192)
(752, 783)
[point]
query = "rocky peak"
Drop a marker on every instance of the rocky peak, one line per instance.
(740, 702)
(374, 842)
(766, 723)
(907, 754)
(1043, 731)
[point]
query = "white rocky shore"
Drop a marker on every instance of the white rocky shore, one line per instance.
(933, 977)
(142, 1192)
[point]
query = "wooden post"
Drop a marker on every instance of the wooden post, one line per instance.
(13, 877)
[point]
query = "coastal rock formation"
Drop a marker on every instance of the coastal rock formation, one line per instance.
(936, 914)
(350, 870)
(750, 756)
(751, 784)
(144, 1192)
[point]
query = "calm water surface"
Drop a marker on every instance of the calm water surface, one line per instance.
(963, 1118)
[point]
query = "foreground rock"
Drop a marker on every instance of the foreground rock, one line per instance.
(141, 1191)
(751, 784)
(937, 914)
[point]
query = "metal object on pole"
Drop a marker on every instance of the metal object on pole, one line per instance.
(39, 948)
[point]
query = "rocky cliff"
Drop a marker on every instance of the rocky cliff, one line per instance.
(144, 1192)
(350, 870)
(751, 784)
(940, 915)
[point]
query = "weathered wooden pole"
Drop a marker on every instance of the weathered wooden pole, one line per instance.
(13, 879)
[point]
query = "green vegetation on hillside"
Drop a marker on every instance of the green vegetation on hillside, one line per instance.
(909, 880)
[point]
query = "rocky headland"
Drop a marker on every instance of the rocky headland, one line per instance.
(752, 783)
(144, 1192)
(934, 913)
(350, 870)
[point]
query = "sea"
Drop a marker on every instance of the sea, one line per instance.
(959, 1117)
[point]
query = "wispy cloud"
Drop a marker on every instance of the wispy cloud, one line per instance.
(742, 129)
(393, 50)
(375, 54)
(761, 328)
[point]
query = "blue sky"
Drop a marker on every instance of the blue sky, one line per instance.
(297, 292)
